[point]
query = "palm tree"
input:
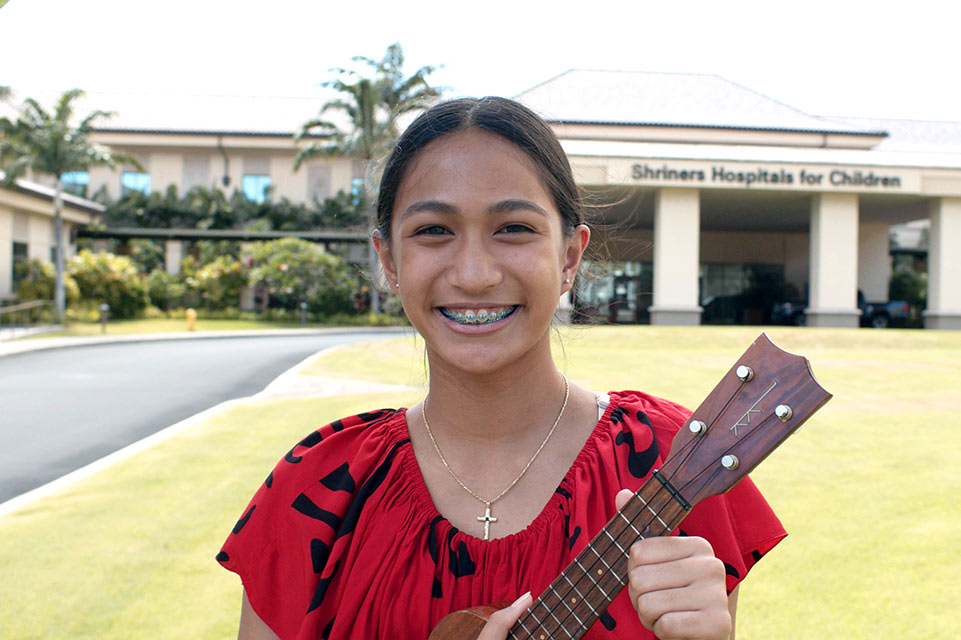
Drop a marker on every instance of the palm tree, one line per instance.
(47, 143)
(372, 103)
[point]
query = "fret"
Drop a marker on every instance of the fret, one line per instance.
(561, 600)
(601, 558)
(614, 540)
(573, 586)
(560, 625)
(630, 523)
(539, 622)
(656, 515)
(524, 627)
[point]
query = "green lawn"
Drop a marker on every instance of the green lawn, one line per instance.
(868, 490)
(165, 325)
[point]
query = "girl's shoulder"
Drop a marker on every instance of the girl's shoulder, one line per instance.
(640, 407)
(355, 443)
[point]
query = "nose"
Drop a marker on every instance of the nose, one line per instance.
(474, 267)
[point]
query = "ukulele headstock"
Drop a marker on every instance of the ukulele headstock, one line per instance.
(764, 398)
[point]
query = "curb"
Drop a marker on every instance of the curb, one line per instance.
(53, 486)
(14, 347)
(273, 390)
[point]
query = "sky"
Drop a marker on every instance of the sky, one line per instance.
(842, 58)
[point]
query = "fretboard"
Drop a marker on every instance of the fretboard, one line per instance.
(582, 593)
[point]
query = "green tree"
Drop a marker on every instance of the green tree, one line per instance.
(295, 271)
(48, 143)
(372, 102)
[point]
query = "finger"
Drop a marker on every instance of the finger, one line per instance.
(622, 498)
(502, 620)
(668, 549)
(676, 574)
(677, 625)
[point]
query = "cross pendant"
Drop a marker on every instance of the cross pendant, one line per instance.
(487, 519)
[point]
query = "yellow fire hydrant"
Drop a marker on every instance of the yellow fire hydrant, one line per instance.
(191, 320)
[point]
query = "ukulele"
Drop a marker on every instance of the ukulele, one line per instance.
(763, 399)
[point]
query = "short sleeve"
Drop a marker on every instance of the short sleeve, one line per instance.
(282, 545)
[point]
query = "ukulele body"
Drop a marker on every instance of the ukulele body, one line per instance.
(463, 625)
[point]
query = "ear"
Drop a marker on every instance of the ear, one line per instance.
(576, 245)
(382, 247)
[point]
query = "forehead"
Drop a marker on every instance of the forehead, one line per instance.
(472, 166)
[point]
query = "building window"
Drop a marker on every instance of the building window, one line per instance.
(255, 187)
(19, 257)
(76, 182)
(131, 181)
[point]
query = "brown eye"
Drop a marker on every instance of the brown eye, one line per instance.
(516, 228)
(432, 230)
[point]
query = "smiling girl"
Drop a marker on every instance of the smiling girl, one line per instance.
(379, 525)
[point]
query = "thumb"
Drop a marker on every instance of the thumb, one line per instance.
(502, 620)
(622, 498)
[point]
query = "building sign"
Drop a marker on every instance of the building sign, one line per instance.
(722, 175)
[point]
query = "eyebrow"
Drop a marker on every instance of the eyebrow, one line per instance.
(504, 206)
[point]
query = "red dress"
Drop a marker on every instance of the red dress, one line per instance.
(343, 541)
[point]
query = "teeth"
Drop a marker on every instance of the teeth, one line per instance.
(478, 316)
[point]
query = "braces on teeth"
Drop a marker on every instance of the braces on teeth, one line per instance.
(481, 318)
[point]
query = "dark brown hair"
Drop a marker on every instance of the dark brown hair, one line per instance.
(500, 116)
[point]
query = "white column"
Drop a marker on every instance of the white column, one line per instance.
(174, 254)
(874, 260)
(834, 261)
(944, 266)
(677, 226)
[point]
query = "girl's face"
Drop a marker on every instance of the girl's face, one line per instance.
(479, 253)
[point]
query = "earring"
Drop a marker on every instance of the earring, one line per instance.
(567, 281)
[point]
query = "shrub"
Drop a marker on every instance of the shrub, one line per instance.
(104, 277)
(36, 278)
(219, 282)
(165, 290)
(295, 271)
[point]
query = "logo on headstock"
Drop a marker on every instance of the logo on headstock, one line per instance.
(745, 419)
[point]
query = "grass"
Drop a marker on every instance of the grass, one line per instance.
(868, 490)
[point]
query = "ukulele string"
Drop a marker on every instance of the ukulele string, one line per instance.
(548, 619)
(716, 467)
(688, 449)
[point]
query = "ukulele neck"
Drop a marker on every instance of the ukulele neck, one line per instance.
(584, 590)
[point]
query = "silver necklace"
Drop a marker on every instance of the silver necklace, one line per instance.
(487, 519)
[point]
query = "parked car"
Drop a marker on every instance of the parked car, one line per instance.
(883, 314)
(873, 314)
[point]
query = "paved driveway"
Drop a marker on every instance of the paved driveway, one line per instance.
(64, 408)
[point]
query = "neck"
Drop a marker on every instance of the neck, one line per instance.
(499, 404)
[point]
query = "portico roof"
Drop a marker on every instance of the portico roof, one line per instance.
(636, 98)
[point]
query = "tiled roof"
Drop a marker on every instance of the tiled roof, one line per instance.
(669, 99)
(169, 113)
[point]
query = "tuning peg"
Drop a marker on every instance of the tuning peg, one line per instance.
(783, 412)
(730, 462)
(697, 427)
(745, 373)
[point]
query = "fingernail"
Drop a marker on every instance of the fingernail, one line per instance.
(524, 599)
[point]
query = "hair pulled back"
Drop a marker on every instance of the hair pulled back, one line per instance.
(500, 116)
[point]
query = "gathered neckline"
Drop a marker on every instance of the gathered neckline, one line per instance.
(400, 430)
